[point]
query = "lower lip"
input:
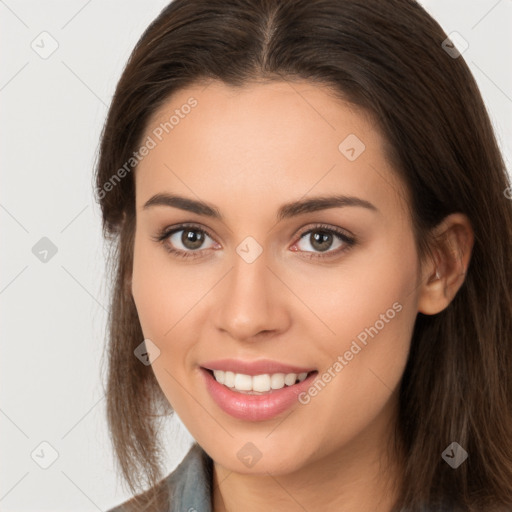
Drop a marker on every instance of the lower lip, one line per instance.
(255, 407)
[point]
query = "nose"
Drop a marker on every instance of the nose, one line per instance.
(252, 301)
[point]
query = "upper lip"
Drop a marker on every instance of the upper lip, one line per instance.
(261, 366)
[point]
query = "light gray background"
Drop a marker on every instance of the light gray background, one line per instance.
(53, 314)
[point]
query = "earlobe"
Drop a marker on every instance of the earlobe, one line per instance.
(445, 273)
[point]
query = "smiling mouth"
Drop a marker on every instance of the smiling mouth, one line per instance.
(257, 384)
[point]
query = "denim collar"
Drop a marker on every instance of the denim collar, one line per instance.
(191, 482)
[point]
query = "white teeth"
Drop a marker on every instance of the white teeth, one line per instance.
(259, 383)
(219, 376)
(290, 379)
(277, 381)
(243, 382)
(229, 379)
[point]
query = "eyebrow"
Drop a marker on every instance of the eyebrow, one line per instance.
(286, 211)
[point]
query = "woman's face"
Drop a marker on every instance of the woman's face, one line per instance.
(268, 282)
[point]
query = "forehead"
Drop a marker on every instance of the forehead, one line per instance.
(264, 140)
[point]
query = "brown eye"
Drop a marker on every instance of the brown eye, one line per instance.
(192, 238)
(324, 240)
(187, 241)
(321, 240)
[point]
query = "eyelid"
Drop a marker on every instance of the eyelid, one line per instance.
(347, 238)
(170, 230)
(326, 227)
(163, 235)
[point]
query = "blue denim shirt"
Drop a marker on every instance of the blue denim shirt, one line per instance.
(190, 484)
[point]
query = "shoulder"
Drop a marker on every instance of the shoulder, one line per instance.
(187, 488)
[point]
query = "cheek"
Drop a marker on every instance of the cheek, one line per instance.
(363, 293)
(162, 292)
(170, 306)
(162, 299)
(376, 301)
(370, 310)
(150, 292)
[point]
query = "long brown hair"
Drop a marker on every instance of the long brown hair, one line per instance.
(388, 58)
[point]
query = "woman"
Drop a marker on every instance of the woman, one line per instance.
(312, 243)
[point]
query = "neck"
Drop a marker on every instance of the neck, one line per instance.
(364, 476)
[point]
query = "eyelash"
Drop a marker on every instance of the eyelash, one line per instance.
(163, 236)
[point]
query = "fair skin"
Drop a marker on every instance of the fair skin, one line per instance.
(247, 152)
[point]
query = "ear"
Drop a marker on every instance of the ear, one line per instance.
(444, 273)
